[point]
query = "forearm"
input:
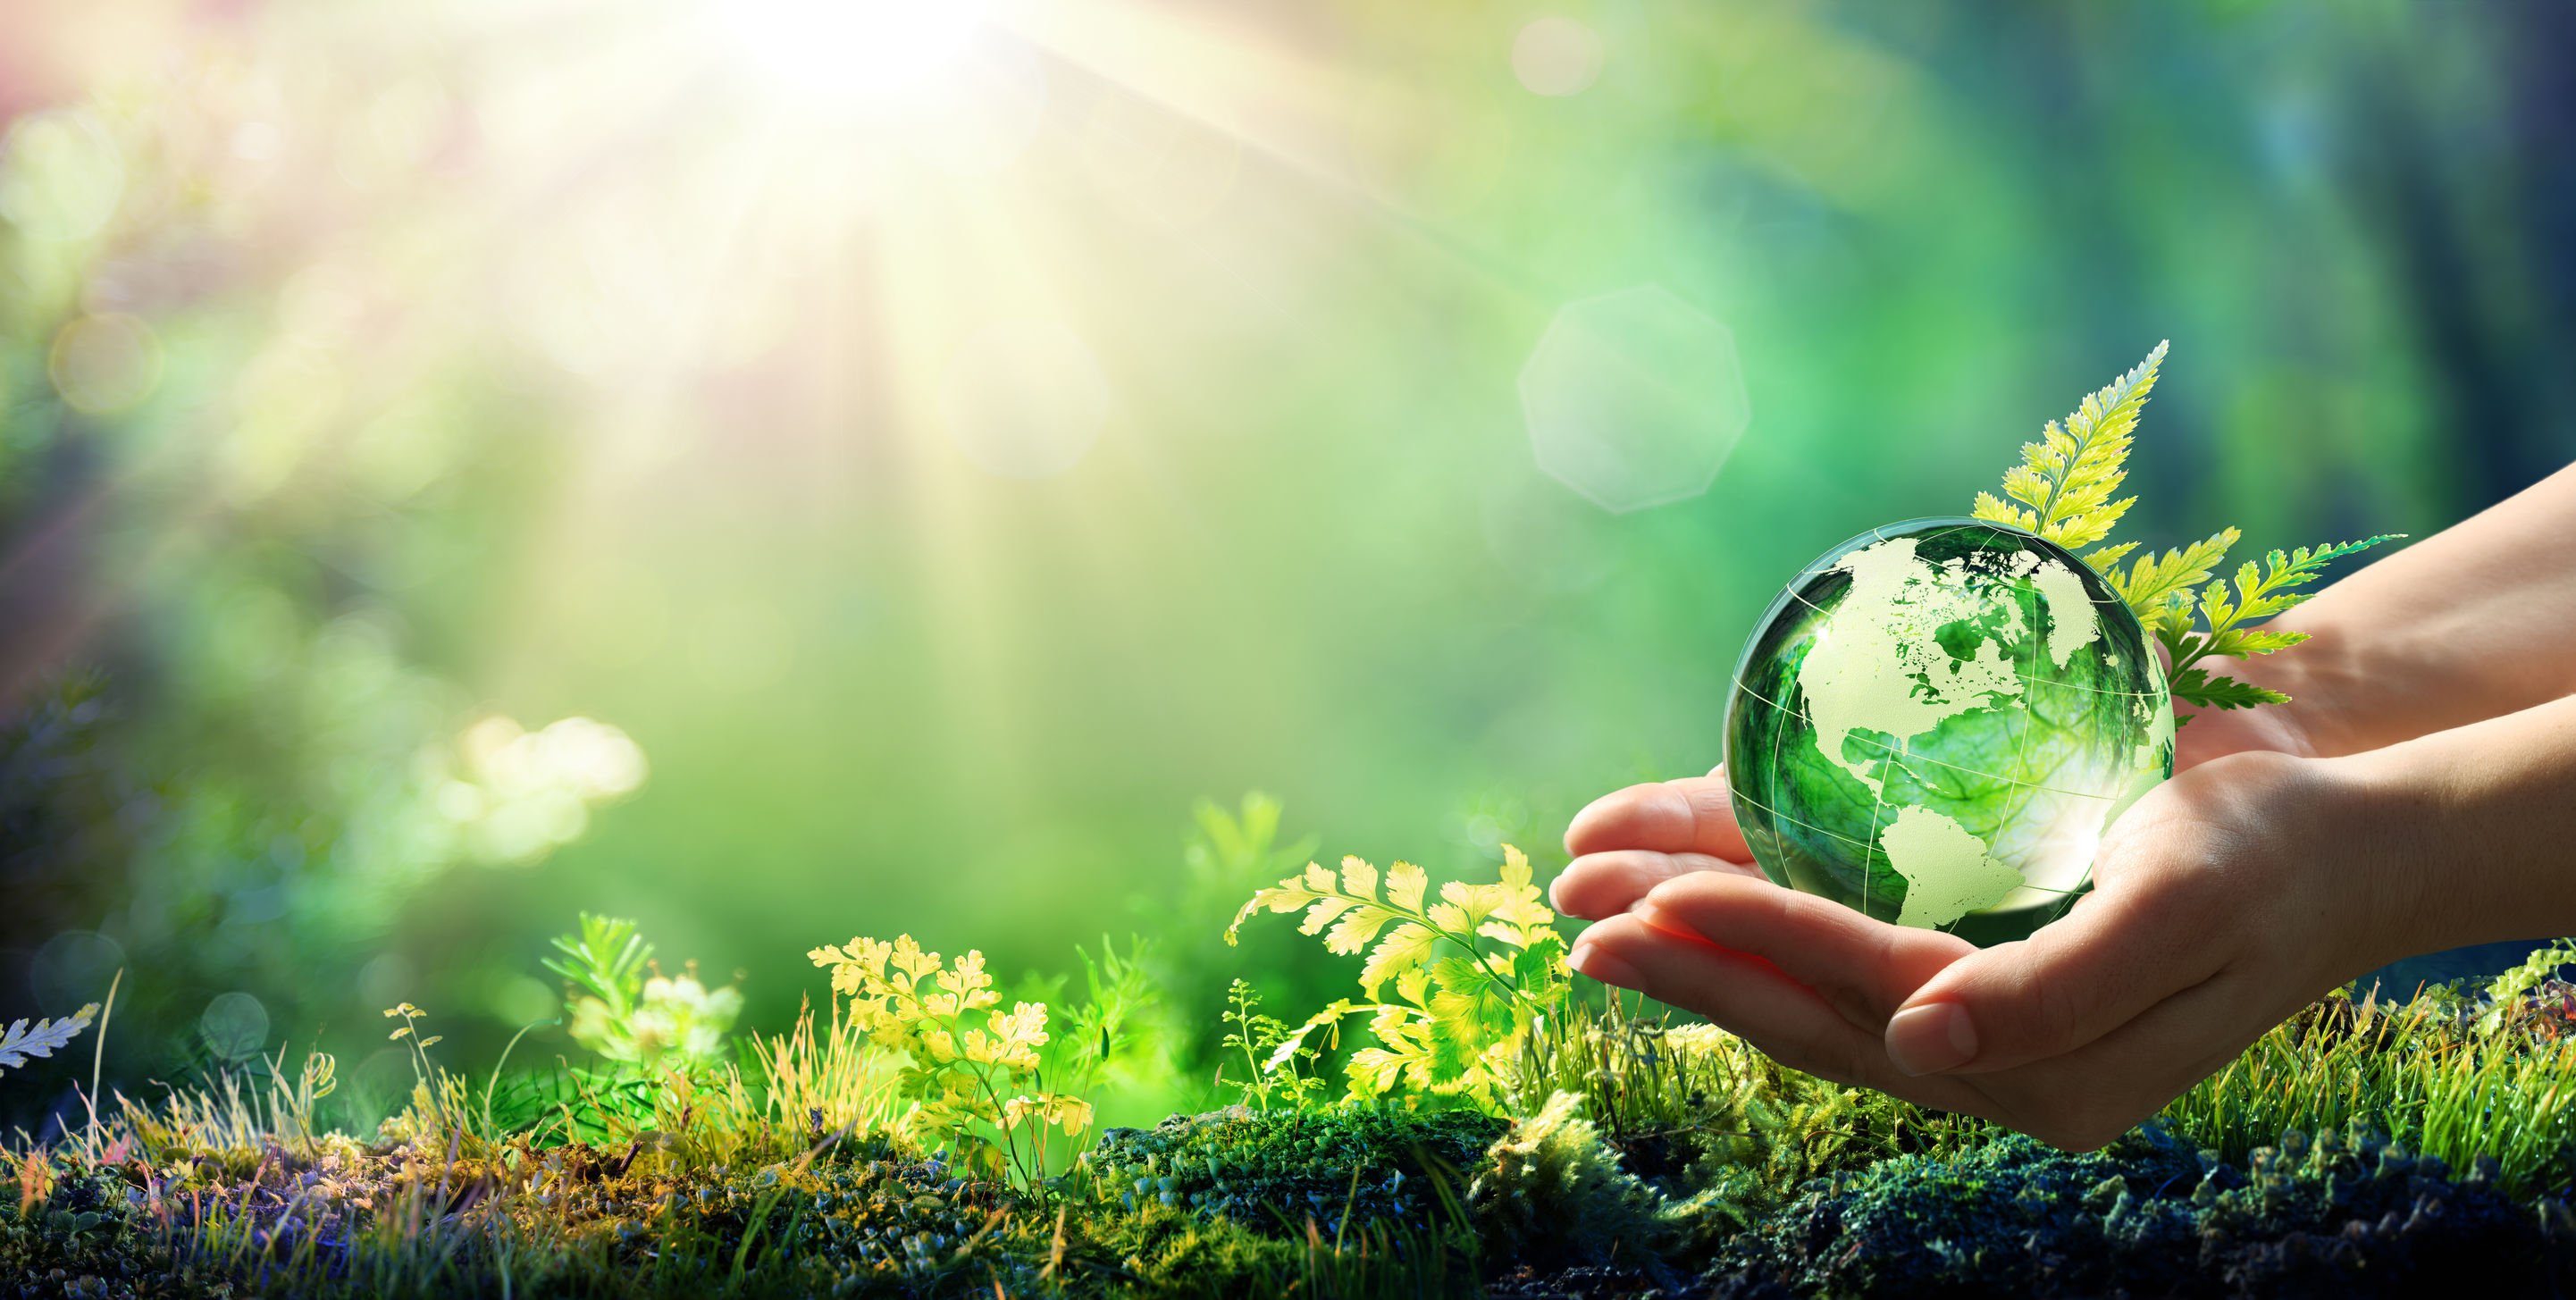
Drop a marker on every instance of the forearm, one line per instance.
(2475, 622)
(2475, 827)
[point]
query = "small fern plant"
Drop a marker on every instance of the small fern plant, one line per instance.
(624, 1008)
(1268, 1073)
(972, 1070)
(2066, 491)
(1452, 989)
(24, 1041)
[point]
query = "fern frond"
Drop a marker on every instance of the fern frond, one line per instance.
(2063, 491)
(2106, 560)
(2066, 479)
(2198, 686)
(43, 1038)
(2236, 643)
(2267, 591)
(1454, 984)
(2155, 584)
(2259, 592)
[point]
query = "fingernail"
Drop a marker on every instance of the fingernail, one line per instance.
(1933, 1037)
(1590, 960)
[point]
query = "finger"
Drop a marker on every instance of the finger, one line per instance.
(1692, 815)
(2070, 983)
(2093, 1094)
(1752, 999)
(1865, 969)
(1605, 884)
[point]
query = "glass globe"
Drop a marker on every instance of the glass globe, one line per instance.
(1935, 722)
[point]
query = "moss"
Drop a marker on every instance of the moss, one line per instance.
(1552, 1197)
(1274, 1171)
(401, 1220)
(1161, 1251)
(2151, 1216)
(90, 1237)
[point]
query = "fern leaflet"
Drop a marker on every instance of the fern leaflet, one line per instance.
(2065, 481)
(43, 1038)
(2260, 591)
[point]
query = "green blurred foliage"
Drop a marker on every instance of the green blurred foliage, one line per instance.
(368, 372)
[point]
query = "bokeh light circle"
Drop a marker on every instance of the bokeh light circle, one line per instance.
(1556, 57)
(1634, 398)
(73, 968)
(234, 1026)
(61, 174)
(106, 363)
(1024, 398)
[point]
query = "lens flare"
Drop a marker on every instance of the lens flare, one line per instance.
(866, 55)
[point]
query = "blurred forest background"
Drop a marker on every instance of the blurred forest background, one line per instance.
(784, 469)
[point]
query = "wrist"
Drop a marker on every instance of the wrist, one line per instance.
(2416, 826)
(2366, 828)
(2318, 721)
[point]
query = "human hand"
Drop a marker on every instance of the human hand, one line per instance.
(2223, 901)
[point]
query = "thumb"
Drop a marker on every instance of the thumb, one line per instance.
(2075, 980)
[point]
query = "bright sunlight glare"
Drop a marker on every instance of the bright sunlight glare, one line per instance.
(854, 54)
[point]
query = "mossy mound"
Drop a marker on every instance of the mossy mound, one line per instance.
(90, 1237)
(404, 1219)
(2148, 1216)
(1274, 1171)
(1255, 1206)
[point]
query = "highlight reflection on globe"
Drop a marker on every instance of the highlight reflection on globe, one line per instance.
(1935, 722)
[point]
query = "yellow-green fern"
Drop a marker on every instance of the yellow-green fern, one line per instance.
(2065, 480)
(1451, 989)
(21, 1041)
(2063, 491)
(971, 1067)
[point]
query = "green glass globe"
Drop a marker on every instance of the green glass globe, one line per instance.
(1935, 722)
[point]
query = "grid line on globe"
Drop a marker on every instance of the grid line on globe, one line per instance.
(1936, 720)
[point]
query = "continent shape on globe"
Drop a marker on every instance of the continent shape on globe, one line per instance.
(1937, 720)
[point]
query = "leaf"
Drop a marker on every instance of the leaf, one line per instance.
(1286, 896)
(2236, 643)
(1295, 1042)
(1322, 914)
(1408, 947)
(2066, 479)
(1352, 933)
(1413, 984)
(1359, 879)
(1405, 884)
(2199, 687)
(1072, 1114)
(44, 1038)
(2106, 560)
(2153, 583)
(1519, 902)
(1437, 1022)
(2268, 591)
(2260, 591)
(1373, 1070)
(911, 959)
(2217, 607)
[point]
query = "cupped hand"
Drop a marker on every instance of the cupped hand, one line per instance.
(2223, 901)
